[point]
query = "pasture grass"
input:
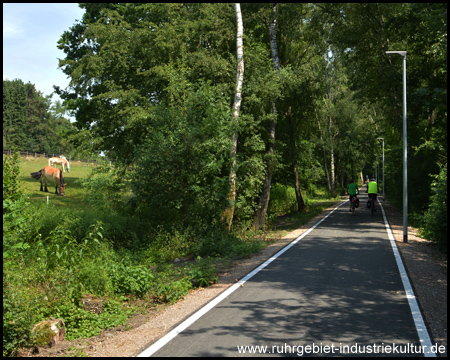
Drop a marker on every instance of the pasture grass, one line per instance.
(75, 194)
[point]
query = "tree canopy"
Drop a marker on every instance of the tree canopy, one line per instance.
(30, 122)
(154, 84)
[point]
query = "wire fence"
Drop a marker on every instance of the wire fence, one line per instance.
(49, 155)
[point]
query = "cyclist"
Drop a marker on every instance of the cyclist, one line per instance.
(352, 190)
(372, 190)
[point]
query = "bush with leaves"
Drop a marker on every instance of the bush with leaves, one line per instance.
(170, 291)
(81, 323)
(17, 321)
(17, 217)
(203, 273)
(131, 280)
(105, 184)
(435, 218)
(17, 227)
(182, 169)
(11, 181)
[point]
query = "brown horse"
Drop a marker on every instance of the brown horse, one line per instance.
(52, 174)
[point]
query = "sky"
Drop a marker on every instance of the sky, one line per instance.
(30, 36)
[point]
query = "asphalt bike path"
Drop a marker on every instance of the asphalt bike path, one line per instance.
(337, 291)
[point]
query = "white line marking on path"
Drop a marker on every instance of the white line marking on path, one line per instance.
(172, 334)
(421, 328)
(417, 316)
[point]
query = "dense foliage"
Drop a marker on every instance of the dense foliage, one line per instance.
(30, 122)
(185, 155)
(134, 65)
(435, 218)
(364, 33)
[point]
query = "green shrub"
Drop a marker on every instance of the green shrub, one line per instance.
(169, 291)
(181, 171)
(435, 218)
(168, 245)
(104, 185)
(17, 321)
(131, 280)
(83, 324)
(11, 177)
(95, 279)
(282, 200)
(18, 224)
(203, 273)
(17, 227)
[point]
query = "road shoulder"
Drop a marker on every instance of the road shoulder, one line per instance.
(427, 271)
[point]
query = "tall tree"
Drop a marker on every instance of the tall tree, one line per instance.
(235, 117)
(295, 129)
(263, 203)
(126, 59)
(14, 114)
(28, 121)
(363, 33)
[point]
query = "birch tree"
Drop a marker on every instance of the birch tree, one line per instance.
(229, 212)
(332, 185)
(263, 204)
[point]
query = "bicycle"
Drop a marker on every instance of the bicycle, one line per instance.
(372, 206)
(354, 205)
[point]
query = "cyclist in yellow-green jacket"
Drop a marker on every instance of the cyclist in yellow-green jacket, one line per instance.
(372, 190)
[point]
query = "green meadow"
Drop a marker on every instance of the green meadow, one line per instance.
(75, 198)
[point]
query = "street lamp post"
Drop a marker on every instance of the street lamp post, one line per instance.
(377, 172)
(383, 166)
(405, 151)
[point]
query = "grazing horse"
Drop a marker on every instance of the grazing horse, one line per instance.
(60, 161)
(52, 174)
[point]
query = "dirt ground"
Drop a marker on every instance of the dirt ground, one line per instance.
(426, 266)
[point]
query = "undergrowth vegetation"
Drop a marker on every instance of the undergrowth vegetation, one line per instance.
(434, 220)
(54, 255)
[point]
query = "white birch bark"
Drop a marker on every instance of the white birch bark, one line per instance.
(330, 123)
(229, 212)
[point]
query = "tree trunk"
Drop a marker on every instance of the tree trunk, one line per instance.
(330, 134)
(259, 218)
(260, 214)
(229, 212)
(332, 167)
(49, 332)
(298, 193)
(327, 174)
